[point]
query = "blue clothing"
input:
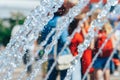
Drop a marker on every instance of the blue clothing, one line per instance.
(55, 72)
(100, 63)
(61, 41)
(116, 55)
(47, 28)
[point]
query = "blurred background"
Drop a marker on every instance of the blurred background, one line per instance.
(13, 13)
(12, 16)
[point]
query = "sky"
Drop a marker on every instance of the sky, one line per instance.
(12, 6)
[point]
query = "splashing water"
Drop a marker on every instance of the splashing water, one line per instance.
(62, 23)
(70, 37)
(89, 37)
(99, 51)
(23, 37)
(11, 58)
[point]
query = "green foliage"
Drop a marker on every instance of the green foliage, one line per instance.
(5, 32)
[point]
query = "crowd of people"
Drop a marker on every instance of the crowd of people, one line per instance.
(96, 71)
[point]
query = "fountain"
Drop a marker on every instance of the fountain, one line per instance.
(35, 23)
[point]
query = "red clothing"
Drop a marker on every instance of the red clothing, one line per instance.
(86, 60)
(77, 39)
(87, 56)
(108, 48)
(96, 1)
(116, 61)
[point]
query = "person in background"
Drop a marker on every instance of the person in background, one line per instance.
(105, 54)
(78, 39)
(39, 54)
(87, 55)
(15, 30)
(29, 51)
(116, 57)
(61, 41)
(76, 75)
